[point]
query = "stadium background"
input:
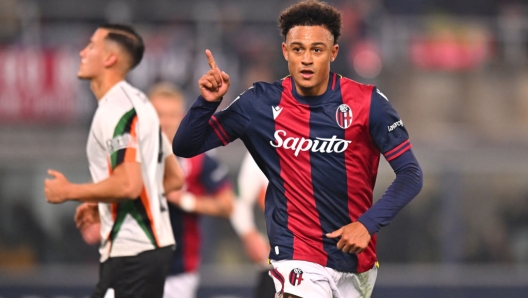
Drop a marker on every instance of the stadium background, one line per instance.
(456, 71)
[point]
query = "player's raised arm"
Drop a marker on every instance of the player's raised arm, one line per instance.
(200, 130)
(215, 83)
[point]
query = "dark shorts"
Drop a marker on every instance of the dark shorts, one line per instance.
(137, 276)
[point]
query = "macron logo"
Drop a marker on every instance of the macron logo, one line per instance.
(276, 111)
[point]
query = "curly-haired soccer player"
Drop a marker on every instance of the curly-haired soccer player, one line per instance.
(318, 138)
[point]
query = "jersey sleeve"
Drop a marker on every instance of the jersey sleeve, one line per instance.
(200, 130)
(386, 127)
(213, 176)
(120, 135)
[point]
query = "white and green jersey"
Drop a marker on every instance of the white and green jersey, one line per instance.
(126, 128)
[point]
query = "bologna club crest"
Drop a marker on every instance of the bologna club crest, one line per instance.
(296, 276)
(344, 116)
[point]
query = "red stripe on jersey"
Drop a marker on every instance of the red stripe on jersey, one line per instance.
(191, 243)
(398, 150)
(217, 131)
(303, 218)
(221, 128)
(361, 160)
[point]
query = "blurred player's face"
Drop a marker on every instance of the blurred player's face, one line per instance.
(309, 51)
(170, 113)
(92, 56)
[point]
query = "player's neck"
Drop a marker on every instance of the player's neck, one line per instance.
(100, 86)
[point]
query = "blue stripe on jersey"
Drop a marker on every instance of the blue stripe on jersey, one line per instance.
(268, 161)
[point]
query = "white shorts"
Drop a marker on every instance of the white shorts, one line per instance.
(184, 285)
(311, 280)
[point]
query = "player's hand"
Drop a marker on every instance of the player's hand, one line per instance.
(257, 248)
(354, 238)
(56, 190)
(215, 83)
(88, 222)
(92, 233)
(86, 214)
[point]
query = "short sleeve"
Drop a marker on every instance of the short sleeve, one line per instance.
(386, 128)
(120, 137)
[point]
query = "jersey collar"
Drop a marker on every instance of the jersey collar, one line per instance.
(106, 98)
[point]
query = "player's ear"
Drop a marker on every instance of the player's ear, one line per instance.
(285, 51)
(335, 50)
(110, 59)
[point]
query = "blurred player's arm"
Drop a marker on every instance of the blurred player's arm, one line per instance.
(251, 185)
(255, 244)
(173, 176)
(125, 183)
(220, 204)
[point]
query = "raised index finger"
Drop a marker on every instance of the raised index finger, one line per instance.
(210, 59)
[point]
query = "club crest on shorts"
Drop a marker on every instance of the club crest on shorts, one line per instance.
(344, 116)
(296, 276)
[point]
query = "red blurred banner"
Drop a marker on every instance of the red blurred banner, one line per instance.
(37, 85)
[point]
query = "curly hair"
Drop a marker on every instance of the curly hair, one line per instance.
(311, 13)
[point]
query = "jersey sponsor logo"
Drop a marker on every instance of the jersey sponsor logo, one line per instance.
(276, 111)
(322, 145)
(121, 142)
(344, 116)
(296, 277)
(394, 125)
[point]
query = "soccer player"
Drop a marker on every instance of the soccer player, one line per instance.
(318, 137)
(252, 185)
(207, 191)
(131, 166)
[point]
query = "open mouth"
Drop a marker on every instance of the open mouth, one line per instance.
(306, 73)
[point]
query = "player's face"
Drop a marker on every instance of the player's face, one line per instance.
(92, 56)
(170, 113)
(309, 51)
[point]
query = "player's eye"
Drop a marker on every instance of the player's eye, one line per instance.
(318, 50)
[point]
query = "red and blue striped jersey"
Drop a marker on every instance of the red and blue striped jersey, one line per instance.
(320, 155)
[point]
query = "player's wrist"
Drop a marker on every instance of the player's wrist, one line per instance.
(211, 99)
(188, 202)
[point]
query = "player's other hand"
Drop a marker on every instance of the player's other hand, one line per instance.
(92, 233)
(88, 222)
(86, 214)
(56, 190)
(215, 83)
(354, 237)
